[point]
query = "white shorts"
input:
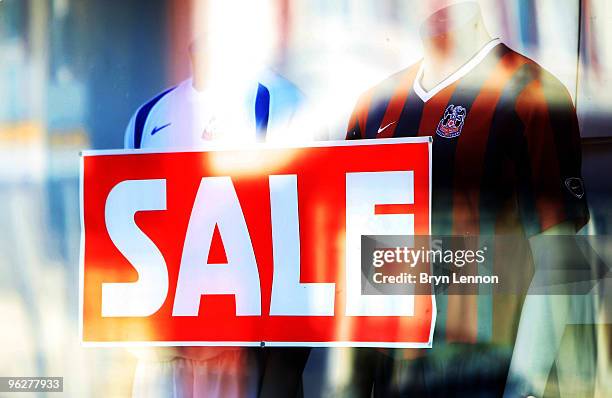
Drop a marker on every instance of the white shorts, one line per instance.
(233, 373)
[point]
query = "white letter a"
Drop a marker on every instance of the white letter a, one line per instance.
(217, 204)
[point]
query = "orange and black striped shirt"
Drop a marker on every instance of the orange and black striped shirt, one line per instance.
(506, 154)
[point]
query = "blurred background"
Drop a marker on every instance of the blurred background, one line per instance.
(72, 72)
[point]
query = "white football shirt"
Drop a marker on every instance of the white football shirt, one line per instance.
(184, 118)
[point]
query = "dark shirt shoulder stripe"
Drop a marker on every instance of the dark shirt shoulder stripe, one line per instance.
(379, 103)
(262, 111)
(472, 144)
(142, 115)
(397, 104)
(357, 122)
(507, 142)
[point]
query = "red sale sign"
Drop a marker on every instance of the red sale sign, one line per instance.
(250, 246)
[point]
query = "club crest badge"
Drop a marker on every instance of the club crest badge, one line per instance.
(451, 124)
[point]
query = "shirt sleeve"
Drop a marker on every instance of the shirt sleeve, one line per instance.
(130, 131)
(356, 125)
(550, 186)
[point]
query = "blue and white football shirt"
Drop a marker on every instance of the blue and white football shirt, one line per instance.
(185, 118)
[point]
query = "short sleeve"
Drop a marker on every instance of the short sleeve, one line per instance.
(356, 125)
(550, 185)
(130, 131)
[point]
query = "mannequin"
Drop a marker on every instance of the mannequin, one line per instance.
(494, 115)
(451, 36)
(219, 102)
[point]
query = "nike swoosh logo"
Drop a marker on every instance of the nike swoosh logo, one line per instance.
(381, 129)
(156, 129)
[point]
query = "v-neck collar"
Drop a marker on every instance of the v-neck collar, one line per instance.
(426, 95)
